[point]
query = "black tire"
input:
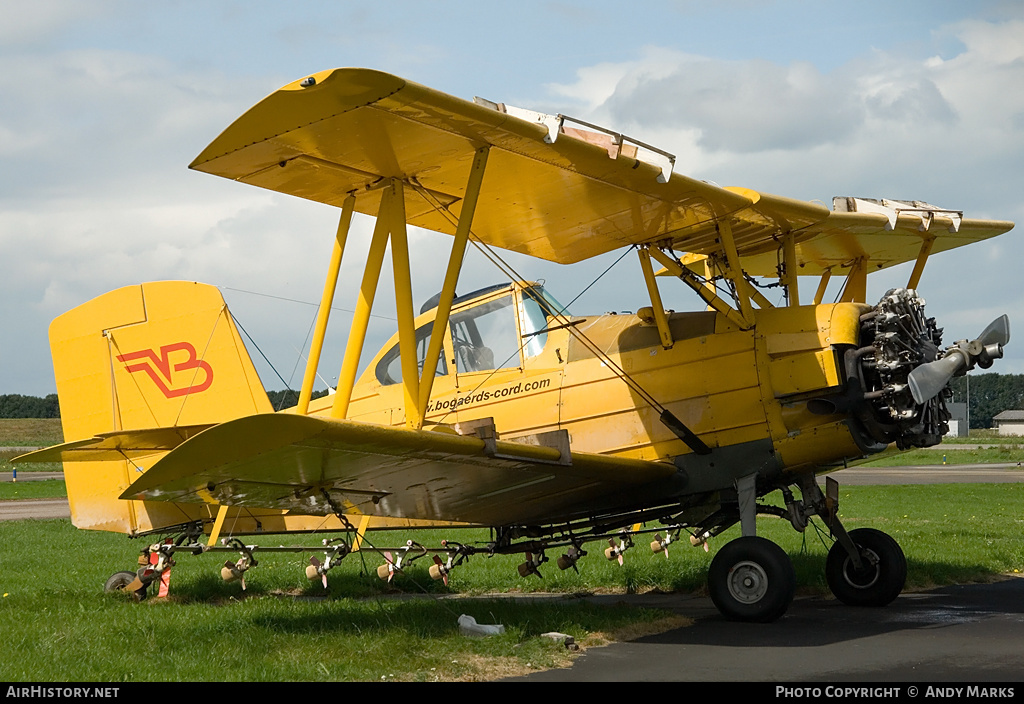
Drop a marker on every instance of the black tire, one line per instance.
(752, 579)
(119, 582)
(883, 575)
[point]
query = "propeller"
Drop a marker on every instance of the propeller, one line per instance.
(659, 545)
(614, 552)
(387, 570)
(927, 380)
(314, 571)
(439, 570)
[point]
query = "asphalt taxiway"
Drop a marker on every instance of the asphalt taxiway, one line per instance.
(968, 633)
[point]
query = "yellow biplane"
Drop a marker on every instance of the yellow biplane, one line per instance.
(499, 408)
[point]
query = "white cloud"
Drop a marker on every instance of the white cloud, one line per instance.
(945, 130)
(95, 194)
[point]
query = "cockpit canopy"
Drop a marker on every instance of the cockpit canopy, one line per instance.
(497, 327)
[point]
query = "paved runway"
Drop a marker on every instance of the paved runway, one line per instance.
(969, 633)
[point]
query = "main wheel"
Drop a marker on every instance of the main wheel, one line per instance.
(752, 579)
(881, 577)
(119, 582)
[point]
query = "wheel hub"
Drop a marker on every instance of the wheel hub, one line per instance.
(865, 577)
(748, 582)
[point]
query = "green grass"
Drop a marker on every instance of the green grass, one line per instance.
(997, 454)
(30, 432)
(61, 626)
(7, 469)
(57, 625)
(42, 489)
(55, 617)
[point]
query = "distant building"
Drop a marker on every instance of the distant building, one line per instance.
(1010, 423)
(958, 422)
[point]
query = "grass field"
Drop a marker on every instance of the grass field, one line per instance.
(1002, 453)
(55, 617)
(28, 432)
(31, 432)
(59, 626)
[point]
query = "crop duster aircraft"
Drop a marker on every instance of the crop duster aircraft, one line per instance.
(498, 408)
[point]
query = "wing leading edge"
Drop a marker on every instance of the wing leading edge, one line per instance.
(312, 465)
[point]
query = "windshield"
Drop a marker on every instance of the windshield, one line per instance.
(539, 307)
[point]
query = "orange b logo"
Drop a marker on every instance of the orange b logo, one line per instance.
(158, 367)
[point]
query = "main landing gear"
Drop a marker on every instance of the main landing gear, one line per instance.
(752, 579)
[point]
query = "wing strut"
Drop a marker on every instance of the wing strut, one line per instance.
(390, 226)
(922, 258)
(658, 308)
(330, 286)
(708, 295)
(361, 317)
(451, 277)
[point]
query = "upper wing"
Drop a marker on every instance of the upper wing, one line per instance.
(292, 462)
(883, 236)
(563, 201)
(561, 194)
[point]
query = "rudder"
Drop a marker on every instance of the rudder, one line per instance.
(153, 355)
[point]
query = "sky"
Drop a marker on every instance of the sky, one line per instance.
(105, 103)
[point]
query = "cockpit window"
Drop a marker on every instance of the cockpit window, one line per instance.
(389, 368)
(484, 337)
(538, 309)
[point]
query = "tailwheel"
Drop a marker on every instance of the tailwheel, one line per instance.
(125, 581)
(752, 579)
(882, 574)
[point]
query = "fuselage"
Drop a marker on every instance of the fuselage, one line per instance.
(507, 356)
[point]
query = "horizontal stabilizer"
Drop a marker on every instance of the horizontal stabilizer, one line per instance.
(120, 445)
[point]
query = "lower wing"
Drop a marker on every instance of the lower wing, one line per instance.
(319, 466)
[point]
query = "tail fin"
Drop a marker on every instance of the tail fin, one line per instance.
(155, 355)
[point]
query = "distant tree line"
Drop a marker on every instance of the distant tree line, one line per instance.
(289, 398)
(991, 394)
(18, 406)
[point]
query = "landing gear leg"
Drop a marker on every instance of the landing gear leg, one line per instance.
(751, 578)
(864, 567)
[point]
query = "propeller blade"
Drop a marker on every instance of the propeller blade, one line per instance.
(165, 583)
(929, 379)
(997, 332)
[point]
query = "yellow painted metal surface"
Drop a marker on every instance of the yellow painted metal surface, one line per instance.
(157, 355)
(730, 386)
(128, 413)
(288, 461)
(564, 201)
